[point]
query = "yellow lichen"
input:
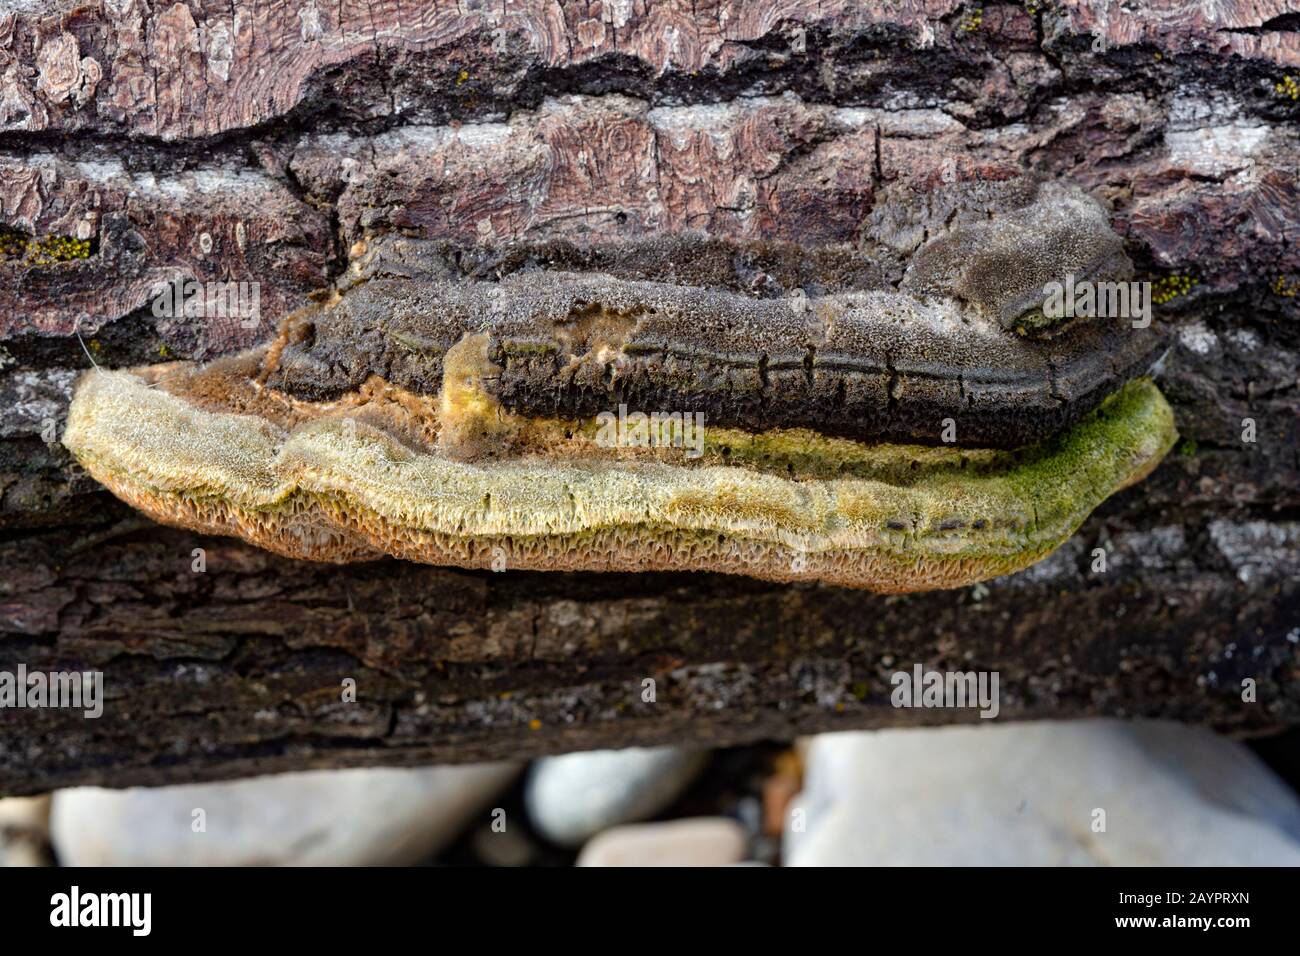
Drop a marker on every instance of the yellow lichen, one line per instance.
(1167, 288)
(44, 251)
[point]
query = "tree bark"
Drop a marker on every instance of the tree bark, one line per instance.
(260, 142)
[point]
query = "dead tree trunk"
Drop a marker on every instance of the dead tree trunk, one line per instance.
(141, 142)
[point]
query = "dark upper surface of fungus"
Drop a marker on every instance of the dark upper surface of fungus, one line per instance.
(1001, 264)
(753, 335)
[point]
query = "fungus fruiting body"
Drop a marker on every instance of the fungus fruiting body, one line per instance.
(891, 438)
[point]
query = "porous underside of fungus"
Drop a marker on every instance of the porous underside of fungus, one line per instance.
(456, 479)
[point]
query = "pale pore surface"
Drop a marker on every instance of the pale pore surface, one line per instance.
(340, 489)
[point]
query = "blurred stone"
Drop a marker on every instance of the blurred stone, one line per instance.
(1039, 794)
(701, 841)
(361, 817)
(573, 797)
(26, 813)
(508, 847)
(25, 831)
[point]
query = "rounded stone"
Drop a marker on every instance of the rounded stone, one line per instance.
(359, 817)
(573, 797)
(703, 841)
(1049, 793)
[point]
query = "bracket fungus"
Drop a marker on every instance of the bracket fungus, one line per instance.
(892, 435)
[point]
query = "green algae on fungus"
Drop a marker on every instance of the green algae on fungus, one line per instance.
(375, 473)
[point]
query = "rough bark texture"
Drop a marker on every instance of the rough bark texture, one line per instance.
(259, 142)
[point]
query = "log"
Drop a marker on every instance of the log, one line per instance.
(142, 143)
